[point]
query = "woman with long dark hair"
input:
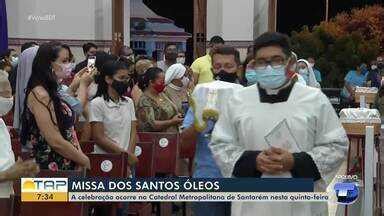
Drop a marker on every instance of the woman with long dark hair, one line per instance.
(48, 122)
(84, 126)
(112, 115)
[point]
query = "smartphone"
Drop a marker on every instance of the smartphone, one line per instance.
(91, 62)
(185, 106)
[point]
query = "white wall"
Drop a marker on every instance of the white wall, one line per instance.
(233, 20)
(261, 17)
(69, 19)
(214, 18)
(103, 19)
(103, 22)
(238, 20)
(127, 24)
(66, 19)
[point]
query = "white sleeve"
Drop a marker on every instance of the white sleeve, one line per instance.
(331, 141)
(225, 145)
(301, 80)
(132, 109)
(96, 111)
(7, 158)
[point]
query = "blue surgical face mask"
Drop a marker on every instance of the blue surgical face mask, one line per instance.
(251, 76)
(270, 77)
(14, 61)
(303, 71)
(306, 78)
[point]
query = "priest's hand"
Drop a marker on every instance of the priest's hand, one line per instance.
(282, 157)
(265, 165)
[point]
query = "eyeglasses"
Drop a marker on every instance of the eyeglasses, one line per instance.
(274, 62)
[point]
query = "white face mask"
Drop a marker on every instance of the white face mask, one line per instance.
(303, 71)
(185, 81)
(312, 64)
(65, 71)
(14, 61)
(72, 66)
(180, 60)
(6, 105)
(373, 67)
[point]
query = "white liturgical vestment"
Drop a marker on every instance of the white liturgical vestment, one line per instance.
(245, 123)
(7, 159)
(208, 98)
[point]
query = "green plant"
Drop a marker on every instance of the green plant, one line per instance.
(342, 43)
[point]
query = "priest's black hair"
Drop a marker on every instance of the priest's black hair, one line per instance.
(273, 39)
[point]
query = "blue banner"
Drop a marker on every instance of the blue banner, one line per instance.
(3, 27)
(190, 185)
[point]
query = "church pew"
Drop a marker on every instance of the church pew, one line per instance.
(144, 152)
(166, 154)
(139, 209)
(109, 166)
(8, 118)
(166, 151)
(6, 206)
(16, 147)
(187, 151)
(87, 146)
(13, 132)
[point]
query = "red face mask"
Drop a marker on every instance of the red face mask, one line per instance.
(159, 87)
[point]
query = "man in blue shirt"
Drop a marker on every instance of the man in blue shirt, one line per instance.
(311, 61)
(225, 62)
(353, 79)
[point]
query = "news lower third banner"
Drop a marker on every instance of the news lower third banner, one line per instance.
(169, 190)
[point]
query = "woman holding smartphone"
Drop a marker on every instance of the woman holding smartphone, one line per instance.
(155, 111)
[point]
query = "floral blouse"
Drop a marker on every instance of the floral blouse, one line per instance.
(149, 111)
(45, 156)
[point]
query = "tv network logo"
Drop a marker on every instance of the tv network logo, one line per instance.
(44, 185)
(346, 192)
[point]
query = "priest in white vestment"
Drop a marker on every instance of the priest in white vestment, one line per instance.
(278, 128)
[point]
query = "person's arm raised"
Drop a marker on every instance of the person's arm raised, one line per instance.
(39, 103)
(85, 81)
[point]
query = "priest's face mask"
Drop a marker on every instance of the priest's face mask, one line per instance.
(224, 67)
(270, 67)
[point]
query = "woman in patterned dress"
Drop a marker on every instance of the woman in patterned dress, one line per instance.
(155, 111)
(48, 122)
